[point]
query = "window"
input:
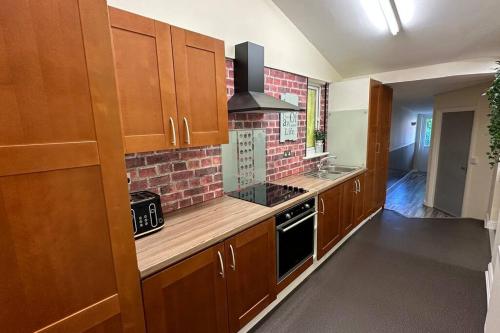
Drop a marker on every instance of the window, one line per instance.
(428, 132)
(313, 116)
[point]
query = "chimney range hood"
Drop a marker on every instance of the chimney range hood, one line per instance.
(249, 93)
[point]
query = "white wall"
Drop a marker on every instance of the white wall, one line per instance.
(479, 175)
(237, 21)
(402, 132)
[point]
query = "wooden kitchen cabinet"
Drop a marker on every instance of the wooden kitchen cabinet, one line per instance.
(358, 206)
(348, 199)
(383, 142)
(251, 273)
(67, 250)
(145, 81)
(189, 296)
(329, 220)
(377, 159)
(218, 290)
(200, 81)
(171, 84)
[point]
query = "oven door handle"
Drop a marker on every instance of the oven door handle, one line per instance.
(297, 223)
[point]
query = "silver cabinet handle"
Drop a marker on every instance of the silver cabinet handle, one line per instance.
(233, 266)
(188, 136)
(174, 142)
(322, 206)
(221, 273)
(359, 186)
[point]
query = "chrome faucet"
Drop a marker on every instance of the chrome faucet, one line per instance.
(322, 161)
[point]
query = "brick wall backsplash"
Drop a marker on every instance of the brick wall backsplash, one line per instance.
(277, 82)
(184, 177)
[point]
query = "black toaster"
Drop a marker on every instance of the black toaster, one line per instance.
(147, 216)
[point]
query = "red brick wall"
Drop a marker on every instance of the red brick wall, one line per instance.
(278, 82)
(184, 177)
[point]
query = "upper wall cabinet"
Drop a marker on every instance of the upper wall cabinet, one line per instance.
(145, 80)
(171, 84)
(200, 82)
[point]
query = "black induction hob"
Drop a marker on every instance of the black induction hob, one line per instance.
(267, 194)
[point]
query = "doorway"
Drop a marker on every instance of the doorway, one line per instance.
(422, 142)
(453, 160)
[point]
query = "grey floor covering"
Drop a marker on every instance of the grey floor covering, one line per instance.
(395, 274)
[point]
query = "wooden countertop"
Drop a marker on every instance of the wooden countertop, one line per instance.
(195, 228)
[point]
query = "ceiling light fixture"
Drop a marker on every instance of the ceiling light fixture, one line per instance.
(390, 16)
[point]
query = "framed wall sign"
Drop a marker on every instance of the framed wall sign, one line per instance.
(289, 120)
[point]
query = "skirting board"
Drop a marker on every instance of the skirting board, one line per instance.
(316, 264)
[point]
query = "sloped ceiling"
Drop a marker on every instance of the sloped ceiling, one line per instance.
(434, 31)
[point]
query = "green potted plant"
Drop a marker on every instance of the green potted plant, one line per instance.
(319, 136)
(493, 94)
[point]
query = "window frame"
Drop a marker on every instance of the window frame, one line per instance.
(317, 117)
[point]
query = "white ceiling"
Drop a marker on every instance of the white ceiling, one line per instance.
(439, 31)
(418, 95)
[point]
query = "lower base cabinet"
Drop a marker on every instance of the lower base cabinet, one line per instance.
(340, 210)
(329, 220)
(218, 290)
(189, 296)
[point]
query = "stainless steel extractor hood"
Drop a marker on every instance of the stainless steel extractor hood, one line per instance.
(249, 93)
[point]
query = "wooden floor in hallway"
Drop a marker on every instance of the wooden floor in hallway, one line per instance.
(407, 197)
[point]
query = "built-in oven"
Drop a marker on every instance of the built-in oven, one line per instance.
(294, 238)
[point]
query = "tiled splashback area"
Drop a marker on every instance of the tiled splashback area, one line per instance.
(184, 177)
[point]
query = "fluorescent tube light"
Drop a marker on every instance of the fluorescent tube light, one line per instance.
(390, 16)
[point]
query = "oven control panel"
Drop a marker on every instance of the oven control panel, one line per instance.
(303, 208)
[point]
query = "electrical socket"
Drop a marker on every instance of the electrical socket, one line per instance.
(287, 153)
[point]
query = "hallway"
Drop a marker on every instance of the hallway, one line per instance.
(407, 197)
(395, 275)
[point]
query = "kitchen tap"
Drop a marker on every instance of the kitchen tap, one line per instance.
(322, 161)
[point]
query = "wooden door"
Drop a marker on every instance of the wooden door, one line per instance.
(359, 212)
(189, 296)
(251, 273)
(348, 198)
(66, 247)
(329, 220)
(145, 80)
(200, 80)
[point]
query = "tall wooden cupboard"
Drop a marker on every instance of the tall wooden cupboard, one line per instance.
(67, 254)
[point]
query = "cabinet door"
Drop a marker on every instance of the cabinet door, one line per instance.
(251, 273)
(329, 220)
(189, 296)
(348, 198)
(66, 247)
(368, 196)
(383, 140)
(359, 200)
(373, 122)
(145, 81)
(200, 80)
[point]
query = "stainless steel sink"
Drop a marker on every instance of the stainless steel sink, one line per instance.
(332, 172)
(340, 168)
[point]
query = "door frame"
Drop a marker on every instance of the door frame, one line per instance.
(432, 164)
